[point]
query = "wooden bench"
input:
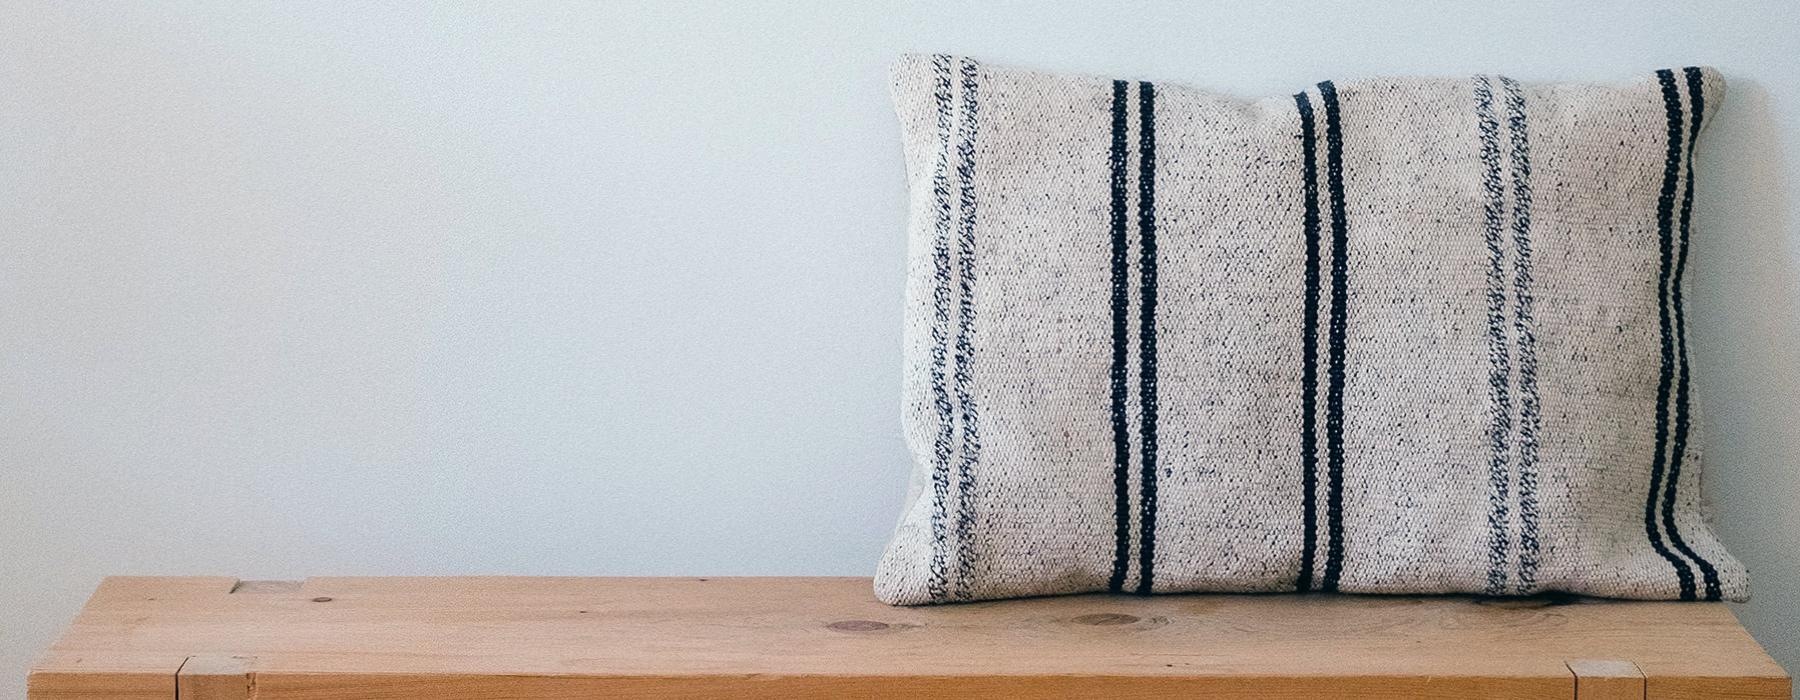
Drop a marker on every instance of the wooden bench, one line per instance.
(212, 638)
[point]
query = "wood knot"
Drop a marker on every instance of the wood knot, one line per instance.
(1105, 619)
(858, 626)
(322, 599)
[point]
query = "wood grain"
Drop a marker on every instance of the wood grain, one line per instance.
(828, 637)
(213, 677)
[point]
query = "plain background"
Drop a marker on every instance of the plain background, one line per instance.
(293, 289)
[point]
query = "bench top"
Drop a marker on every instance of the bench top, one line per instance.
(488, 637)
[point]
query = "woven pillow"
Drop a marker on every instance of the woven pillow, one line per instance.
(1382, 336)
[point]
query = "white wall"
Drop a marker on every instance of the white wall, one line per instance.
(603, 288)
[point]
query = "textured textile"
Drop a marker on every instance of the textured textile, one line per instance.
(1382, 336)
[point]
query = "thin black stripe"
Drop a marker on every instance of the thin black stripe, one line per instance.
(1665, 207)
(1696, 112)
(1147, 333)
(1499, 364)
(1525, 329)
(940, 301)
(965, 349)
(1309, 347)
(1334, 396)
(1120, 300)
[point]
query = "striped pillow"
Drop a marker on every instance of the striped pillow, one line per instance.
(1383, 336)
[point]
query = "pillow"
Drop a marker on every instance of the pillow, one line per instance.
(1398, 335)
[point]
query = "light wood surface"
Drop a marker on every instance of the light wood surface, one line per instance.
(1607, 679)
(741, 638)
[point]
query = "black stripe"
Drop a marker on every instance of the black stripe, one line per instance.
(1309, 347)
(1147, 333)
(940, 302)
(1120, 300)
(1334, 396)
(1525, 327)
(1665, 207)
(1499, 364)
(1696, 112)
(965, 350)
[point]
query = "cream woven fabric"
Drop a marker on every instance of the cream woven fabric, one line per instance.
(1383, 336)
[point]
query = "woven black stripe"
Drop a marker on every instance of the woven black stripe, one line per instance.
(965, 349)
(1696, 111)
(1499, 364)
(1334, 396)
(940, 302)
(1309, 347)
(1120, 300)
(1147, 334)
(1525, 330)
(1665, 207)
